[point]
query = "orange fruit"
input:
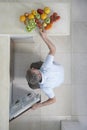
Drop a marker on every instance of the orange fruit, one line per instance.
(43, 16)
(22, 18)
(47, 10)
(31, 16)
(49, 26)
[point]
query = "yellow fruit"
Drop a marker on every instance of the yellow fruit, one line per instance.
(34, 12)
(22, 18)
(47, 10)
(44, 24)
(31, 16)
(43, 16)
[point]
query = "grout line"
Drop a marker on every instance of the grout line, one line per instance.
(76, 22)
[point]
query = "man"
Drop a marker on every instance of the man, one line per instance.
(48, 76)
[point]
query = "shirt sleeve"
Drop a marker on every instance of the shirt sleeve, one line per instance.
(48, 61)
(49, 92)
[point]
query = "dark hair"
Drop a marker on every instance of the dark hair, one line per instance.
(36, 65)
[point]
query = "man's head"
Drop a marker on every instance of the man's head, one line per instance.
(33, 77)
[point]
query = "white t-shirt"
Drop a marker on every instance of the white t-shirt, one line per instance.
(52, 76)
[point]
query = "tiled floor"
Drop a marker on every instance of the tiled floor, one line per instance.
(79, 103)
(79, 73)
(79, 10)
(79, 37)
(79, 60)
(36, 123)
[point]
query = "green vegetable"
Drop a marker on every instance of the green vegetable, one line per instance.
(28, 28)
(31, 25)
(37, 16)
(47, 20)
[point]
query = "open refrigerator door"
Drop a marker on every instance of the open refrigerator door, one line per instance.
(23, 104)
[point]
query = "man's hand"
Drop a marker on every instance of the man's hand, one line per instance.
(43, 34)
(45, 103)
(35, 106)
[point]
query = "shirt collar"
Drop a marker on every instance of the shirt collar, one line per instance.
(42, 78)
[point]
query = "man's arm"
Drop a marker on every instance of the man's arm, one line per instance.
(45, 103)
(50, 45)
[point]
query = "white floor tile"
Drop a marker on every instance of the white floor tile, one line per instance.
(37, 123)
(79, 100)
(71, 125)
(26, 123)
(79, 66)
(79, 37)
(83, 120)
(79, 10)
(50, 123)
